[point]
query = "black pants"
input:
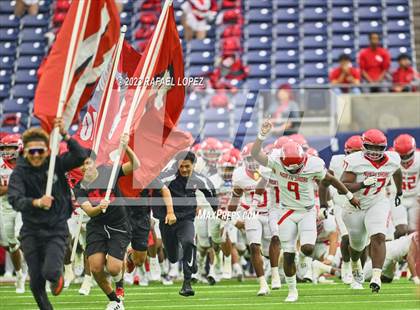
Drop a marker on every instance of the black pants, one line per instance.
(44, 253)
(182, 232)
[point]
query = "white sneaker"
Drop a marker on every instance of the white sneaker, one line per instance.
(154, 269)
(292, 296)
(68, 276)
(356, 285)
(263, 291)
(144, 279)
(358, 279)
(86, 286)
(375, 285)
(166, 280)
(20, 283)
(173, 271)
(113, 305)
(275, 284)
(347, 277)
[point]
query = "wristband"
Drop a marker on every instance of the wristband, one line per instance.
(349, 195)
(261, 137)
(330, 257)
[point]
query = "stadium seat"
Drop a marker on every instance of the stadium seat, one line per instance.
(342, 40)
(287, 70)
(219, 130)
(201, 58)
(32, 34)
(259, 4)
(15, 106)
(199, 70)
(342, 13)
(398, 26)
(262, 43)
(247, 128)
(290, 14)
(29, 62)
(5, 76)
(260, 70)
(23, 90)
(370, 12)
(344, 26)
(9, 21)
(287, 43)
(193, 128)
(193, 101)
(280, 81)
(125, 18)
(7, 49)
(312, 55)
(257, 84)
(7, 7)
(26, 76)
(258, 30)
(40, 20)
(34, 122)
(289, 28)
(395, 51)
(202, 45)
(342, 2)
(335, 53)
(259, 16)
(216, 115)
(259, 57)
(7, 62)
(317, 41)
(32, 49)
(370, 26)
(397, 12)
(317, 69)
(314, 28)
(244, 113)
(190, 115)
(287, 56)
(9, 34)
(315, 13)
(285, 4)
(398, 39)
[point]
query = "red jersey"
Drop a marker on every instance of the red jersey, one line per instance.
(336, 72)
(403, 76)
(374, 62)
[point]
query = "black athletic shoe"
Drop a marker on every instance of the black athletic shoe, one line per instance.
(375, 287)
(211, 280)
(186, 289)
(57, 287)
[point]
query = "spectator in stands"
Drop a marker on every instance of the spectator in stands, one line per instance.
(404, 75)
(26, 5)
(285, 113)
(345, 73)
(197, 15)
(374, 61)
(229, 73)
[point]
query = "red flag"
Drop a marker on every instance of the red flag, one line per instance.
(100, 27)
(154, 138)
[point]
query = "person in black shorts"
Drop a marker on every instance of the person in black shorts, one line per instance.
(108, 233)
(157, 196)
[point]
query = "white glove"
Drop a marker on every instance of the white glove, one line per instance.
(370, 181)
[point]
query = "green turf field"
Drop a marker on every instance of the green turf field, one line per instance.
(229, 295)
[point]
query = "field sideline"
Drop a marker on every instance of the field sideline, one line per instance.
(229, 295)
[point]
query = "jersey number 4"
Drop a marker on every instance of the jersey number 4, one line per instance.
(382, 182)
(294, 187)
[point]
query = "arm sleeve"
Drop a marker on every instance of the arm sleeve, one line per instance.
(16, 193)
(74, 157)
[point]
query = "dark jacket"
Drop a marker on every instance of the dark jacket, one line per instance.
(28, 183)
(183, 192)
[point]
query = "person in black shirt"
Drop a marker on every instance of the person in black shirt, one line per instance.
(44, 231)
(183, 184)
(158, 197)
(108, 232)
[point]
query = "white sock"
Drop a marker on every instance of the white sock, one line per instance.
(376, 274)
(346, 266)
(323, 267)
(262, 281)
(118, 277)
(211, 269)
(356, 265)
(154, 260)
(237, 267)
(19, 273)
(275, 273)
(228, 260)
(291, 282)
(68, 268)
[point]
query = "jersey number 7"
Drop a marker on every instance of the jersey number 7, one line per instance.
(378, 189)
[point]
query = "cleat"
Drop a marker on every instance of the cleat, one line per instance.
(86, 286)
(356, 285)
(115, 305)
(211, 280)
(186, 289)
(119, 291)
(292, 296)
(166, 280)
(358, 279)
(263, 291)
(57, 287)
(20, 283)
(375, 287)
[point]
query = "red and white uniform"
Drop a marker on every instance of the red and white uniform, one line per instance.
(324, 229)
(295, 217)
(197, 12)
(407, 212)
(256, 227)
(10, 220)
(337, 166)
(374, 204)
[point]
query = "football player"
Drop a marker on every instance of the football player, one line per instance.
(366, 174)
(10, 147)
(295, 173)
(404, 217)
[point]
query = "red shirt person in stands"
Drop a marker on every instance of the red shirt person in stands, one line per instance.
(374, 61)
(404, 75)
(345, 73)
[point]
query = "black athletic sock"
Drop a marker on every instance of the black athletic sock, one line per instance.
(113, 297)
(120, 284)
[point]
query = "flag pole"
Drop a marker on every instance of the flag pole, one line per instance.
(146, 71)
(68, 70)
(109, 89)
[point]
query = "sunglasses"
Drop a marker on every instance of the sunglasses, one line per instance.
(34, 151)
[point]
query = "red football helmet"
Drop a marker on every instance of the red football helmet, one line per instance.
(312, 152)
(250, 163)
(227, 146)
(292, 157)
(11, 141)
(405, 145)
(211, 150)
(226, 164)
(281, 141)
(374, 144)
(300, 139)
(353, 144)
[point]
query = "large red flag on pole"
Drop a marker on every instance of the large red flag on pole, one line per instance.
(96, 26)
